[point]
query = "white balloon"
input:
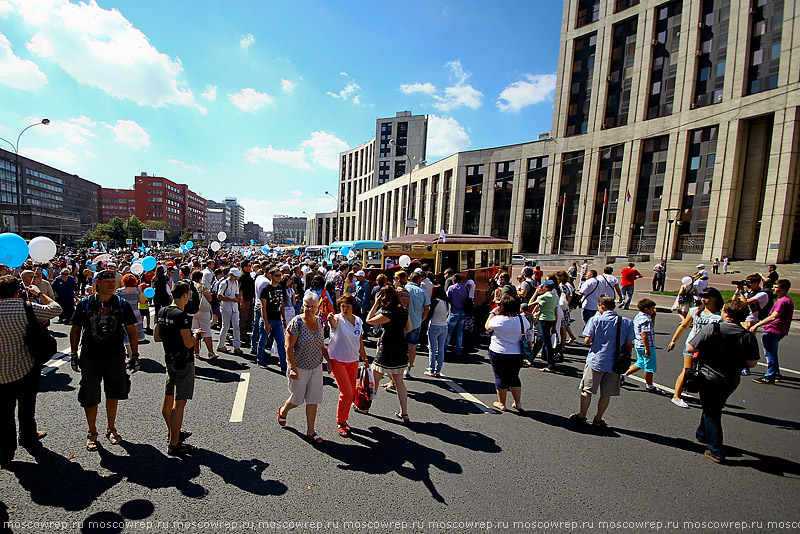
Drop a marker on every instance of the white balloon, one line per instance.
(215, 246)
(137, 269)
(222, 236)
(42, 249)
(136, 255)
(404, 261)
(351, 255)
(687, 280)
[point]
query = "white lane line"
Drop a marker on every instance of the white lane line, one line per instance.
(58, 360)
(665, 388)
(782, 369)
(241, 396)
(469, 396)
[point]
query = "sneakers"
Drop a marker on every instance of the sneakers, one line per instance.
(622, 379)
(407, 374)
(680, 403)
(714, 458)
(764, 380)
(745, 372)
(656, 390)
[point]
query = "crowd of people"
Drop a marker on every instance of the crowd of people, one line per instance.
(309, 316)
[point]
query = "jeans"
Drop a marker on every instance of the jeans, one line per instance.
(230, 319)
(713, 396)
(437, 341)
(546, 335)
(455, 322)
(276, 334)
(627, 296)
(258, 333)
(770, 342)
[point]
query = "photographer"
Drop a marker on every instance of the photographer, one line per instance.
(173, 329)
(725, 349)
(755, 297)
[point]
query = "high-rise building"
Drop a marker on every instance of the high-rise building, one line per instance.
(228, 217)
(54, 203)
(237, 219)
(320, 228)
(675, 134)
(288, 230)
(253, 231)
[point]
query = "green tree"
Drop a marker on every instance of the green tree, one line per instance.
(186, 235)
(134, 228)
(95, 234)
(157, 225)
(116, 231)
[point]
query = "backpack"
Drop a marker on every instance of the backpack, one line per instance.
(193, 304)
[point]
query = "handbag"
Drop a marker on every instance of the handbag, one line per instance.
(692, 376)
(363, 397)
(40, 342)
(624, 358)
(527, 353)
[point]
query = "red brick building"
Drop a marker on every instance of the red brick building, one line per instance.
(155, 198)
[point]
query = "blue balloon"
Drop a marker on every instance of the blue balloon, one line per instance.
(265, 249)
(345, 251)
(252, 241)
(149, 292)
(149, 263)
(44, 272)
(189, 244)
(13, 250)
(296, 252)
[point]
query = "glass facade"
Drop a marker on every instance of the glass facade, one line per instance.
(536, 181)
(569, 194)
(620, 74)
(588, 12)
(712, 54)
(607, 194)
(503, 189)
(766, 26)
(664, 66)
(472, 200)
(649, 189)
(580, 92)
(697, 189)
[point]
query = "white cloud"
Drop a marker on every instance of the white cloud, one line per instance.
(5, 8)
(130, 133)
(533, 89)
(296, 193)
(350, 91)
(288, 86)
(428, 88)
(247, 40)
(76, 130)
(258, 210)
(18, 73)
(446, 136)
(322, 148)
(249, 100)
(210, 93)
(101, 48)
(459, 94)
(60, 158)
(185, 165)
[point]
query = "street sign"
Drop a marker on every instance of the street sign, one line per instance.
(129, 241)
(411, 223)
(152, 235)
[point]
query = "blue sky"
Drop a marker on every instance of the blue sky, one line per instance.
(255, 99)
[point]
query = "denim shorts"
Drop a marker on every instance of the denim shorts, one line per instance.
(413, 337)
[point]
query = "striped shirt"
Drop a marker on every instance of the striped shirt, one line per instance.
(15, 360)
(643, 323)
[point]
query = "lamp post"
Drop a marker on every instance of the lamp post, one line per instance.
(16, 171)
(336, 220)
(408, 170)
(664, 255)
(641, 237)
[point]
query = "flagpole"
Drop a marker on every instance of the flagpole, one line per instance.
(602, 222)
(622, 218)
(561, 231)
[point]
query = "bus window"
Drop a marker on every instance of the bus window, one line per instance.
(471, 259)
(448, 259)
(504, 257)
(495, 257)
(484, 258)
(372, 259)
(464, 260)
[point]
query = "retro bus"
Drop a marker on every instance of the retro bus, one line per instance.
(367, 252)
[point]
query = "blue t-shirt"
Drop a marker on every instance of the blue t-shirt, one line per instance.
(418, 299)
(643, 323)
(602, 328)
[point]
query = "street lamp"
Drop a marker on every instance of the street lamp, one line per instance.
(336, 220)
(669, 234)
(16, 171)
(641, 237)
(408, 197)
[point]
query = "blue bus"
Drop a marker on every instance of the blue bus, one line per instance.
(366, 252)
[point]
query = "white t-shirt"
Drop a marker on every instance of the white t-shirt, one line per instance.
(607, 285)
(260, 283)
(304, 269)
(762, 298)
(439, 316)
(471, 287)
(345, 345)
(229, 289)
(507, 334)
(591, 290)
(427, 285)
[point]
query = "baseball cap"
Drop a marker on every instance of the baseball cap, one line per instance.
(361, 273)
(549, 284)
(111, 264)
(105, 275)
(701, 265)
(65, 271)
(418, 270)
(234, 272)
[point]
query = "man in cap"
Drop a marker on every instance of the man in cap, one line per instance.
(99, 324)
(229, 298)
(64, 287)
(700, 280)
(111, 266)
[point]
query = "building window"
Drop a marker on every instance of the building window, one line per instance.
(568, 200)
(622, 5)
(620, 74)
(664, 66)
(588, 12)
(503, 189)
(697, 189)
(649, 189)
(580, 95)
(606, 199)
(472, 199)
(447, 179)
(532, 219)
(766, 26)
(712, 52)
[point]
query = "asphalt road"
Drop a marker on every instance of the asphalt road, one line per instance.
(456, 465)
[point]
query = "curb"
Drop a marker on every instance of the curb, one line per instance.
(794, 328)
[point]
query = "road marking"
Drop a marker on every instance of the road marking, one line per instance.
(782, 369)
(58, 360)
(470, 397)
(665, 388)
(241, 396)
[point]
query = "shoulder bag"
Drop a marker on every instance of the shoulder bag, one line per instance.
(40, 342)
(624, 358)
(363, 398)
(527, 353)
(692, 377)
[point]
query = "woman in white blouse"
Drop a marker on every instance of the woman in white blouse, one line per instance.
(507, 327)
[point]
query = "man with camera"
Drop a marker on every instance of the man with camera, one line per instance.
(173, 329)
(99, 324)
(754, 296)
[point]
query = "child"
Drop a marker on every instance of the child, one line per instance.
(644, 343)
(144, 310)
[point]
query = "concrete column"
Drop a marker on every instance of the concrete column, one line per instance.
(602, 61)
(685, 79)
(622, 226)
(518, 203)
(672, 194)
(641, 68)
(487, 197)
(723, 214)
(551, 206)
(457, 198)
(738, 53)
(715, 224)
(588, 192)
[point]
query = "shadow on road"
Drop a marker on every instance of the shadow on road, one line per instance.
(56, 382)
(445, 404)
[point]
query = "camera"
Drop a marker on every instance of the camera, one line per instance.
(740, 283)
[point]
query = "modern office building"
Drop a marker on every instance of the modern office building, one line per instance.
(237, 219)
(288, 230)
(253, 231)
(117, 203)
(675, 133)
(54, 203)
(321, 228)
(228, 217)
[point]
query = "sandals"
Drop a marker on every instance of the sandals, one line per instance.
(314, 438)
(403, 416)
(91, 442)
(181, 449)
(113, 436)
(430, 373)
(182, 436)
(344, 430)
(499, 405)
(576, 418)
(281, 418)
(599, 423)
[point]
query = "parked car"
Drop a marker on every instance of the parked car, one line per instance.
(518, 259)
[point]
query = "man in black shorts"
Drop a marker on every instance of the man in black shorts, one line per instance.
(103, 319)
(173, 329)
